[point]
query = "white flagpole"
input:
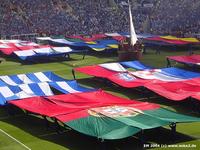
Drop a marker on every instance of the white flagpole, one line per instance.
(132, 29)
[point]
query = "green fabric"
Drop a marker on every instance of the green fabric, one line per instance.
(74, 40)
(106, 127)
(102, 127)
(171, 116)
(57, 37)
(143, 121)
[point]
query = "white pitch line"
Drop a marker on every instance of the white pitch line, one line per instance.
(15, 139)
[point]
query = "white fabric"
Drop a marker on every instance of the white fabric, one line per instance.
(30, 44)
(113, 67)
(26, 89)
(62, 49)
(18, 45)
(155, 74)
(4, 46)
(42, 77)
(45, 88)
(7, 80)
(10, 41)
(25, 43)
(6, 92)
(44, 38)
(164, 77)
(132, 29)
(63, 41)
(43, 50)
(112, 34)
(23, 94)
(25, 53)
(24, 78)
(66, 87)
(143, 74)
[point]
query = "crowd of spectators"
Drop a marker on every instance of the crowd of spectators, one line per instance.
(74, 17)
(181, 17)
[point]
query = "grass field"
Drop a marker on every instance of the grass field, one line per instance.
(31, 130)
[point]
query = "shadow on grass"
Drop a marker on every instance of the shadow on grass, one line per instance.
(43, 59)
(36, 126)
(108, 86)
(103, 54)
(74, 140)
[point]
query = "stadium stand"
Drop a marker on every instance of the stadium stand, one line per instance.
(89, 17)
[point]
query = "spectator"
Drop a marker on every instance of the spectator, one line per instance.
(87, 17)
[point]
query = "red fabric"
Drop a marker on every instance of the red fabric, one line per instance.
(89, 99)
(84, 113)
(196, 96)
(177, 42)
(176, 91)
(41, 106)
(119, 38)
(81, 38)
(129, 84)
(96, 71)
(33, 47)
(93, 100)
(8, 51)
(89, 39)
(76, 37)
(73, 116)
(193, 81)
(115, 77)
(98, 36)
(13, 47)
(193, 59)
(73, 106)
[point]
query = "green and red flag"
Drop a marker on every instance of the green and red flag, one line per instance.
(101, 114)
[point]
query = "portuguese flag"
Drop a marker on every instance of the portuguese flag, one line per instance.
(102, 115)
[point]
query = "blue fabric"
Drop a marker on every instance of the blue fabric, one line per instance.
(102, 44)
(69, 43)
(141, 35)
(73, 84)
(25, 57)
(107, 42)
(124, 33)
(145, 35)
(33, 78)
(42, 56)
(3, 100)
(180, 73)
(97, 46)
(53, 76)
(16, 79)
(2, 83)
(36, 89)
(50, 75)
(14, 89)
(135, 65)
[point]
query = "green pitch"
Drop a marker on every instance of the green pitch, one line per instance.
(31, 130)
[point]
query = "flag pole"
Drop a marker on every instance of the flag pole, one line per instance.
(133, 37)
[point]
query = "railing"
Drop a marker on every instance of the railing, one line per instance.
(27, 37)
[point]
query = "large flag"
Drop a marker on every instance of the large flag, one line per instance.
(102, 115)
(132, 29)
